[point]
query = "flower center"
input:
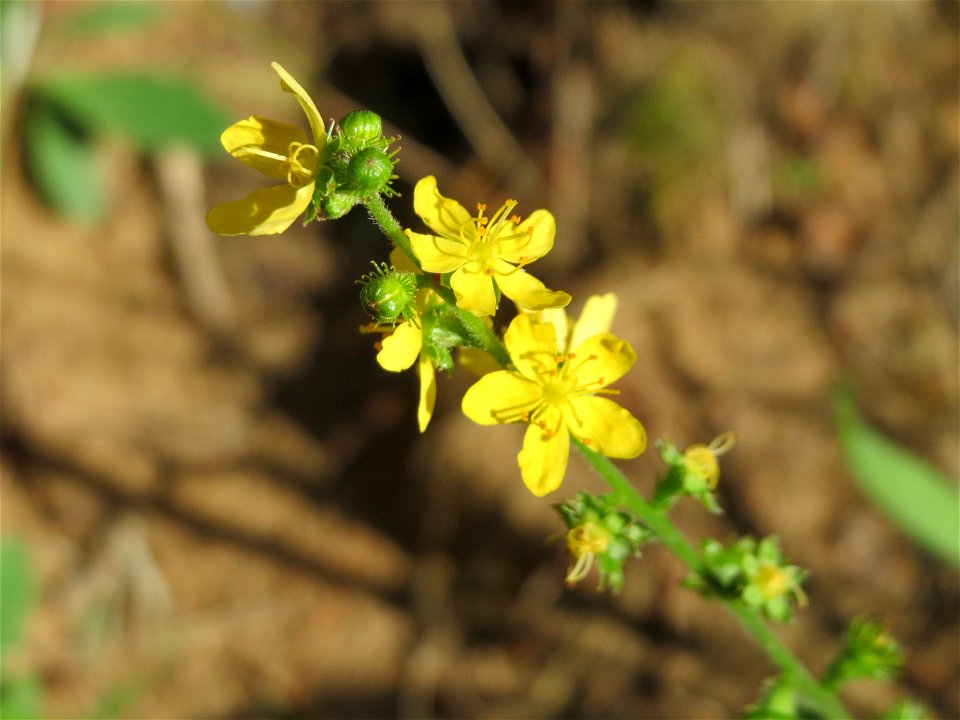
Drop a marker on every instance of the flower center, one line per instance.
(301, 164)
(482, 235)
(772, 581)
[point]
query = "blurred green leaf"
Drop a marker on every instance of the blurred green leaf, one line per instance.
(16, 591)
(116, 700)
(677, 120)
(20, 698)
(921, 500)
(154, 111)
(61, 162)
(104, 17)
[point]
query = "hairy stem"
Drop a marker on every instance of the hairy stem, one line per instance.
(676, 543)
(388, 224)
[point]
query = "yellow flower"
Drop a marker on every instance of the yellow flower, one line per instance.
(403, 345)
(701, 460)
(280, 151)
(554, 387)
(483, 252)
(585, 542)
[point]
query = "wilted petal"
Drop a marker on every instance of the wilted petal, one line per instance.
(401, 349)
(525, 290)
(267, 211)
(428, 391)
(543, 459)
(605, 427)
(500, 397)
(263, 144)
(595, 318)
(441, 214)
(288, 83)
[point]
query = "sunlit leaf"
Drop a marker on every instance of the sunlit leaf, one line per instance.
(921, 500)
(153, 111)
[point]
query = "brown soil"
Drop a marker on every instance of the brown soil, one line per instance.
(226, 501)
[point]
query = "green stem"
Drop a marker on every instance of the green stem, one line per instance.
(389, 226)
(485, 338)
(657, 520)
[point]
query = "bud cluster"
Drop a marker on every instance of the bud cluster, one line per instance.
(356, 164)
(756, 573)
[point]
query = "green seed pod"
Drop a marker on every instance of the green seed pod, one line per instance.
(361, 126)
(336, 205)
(370, 169)
(387, 294)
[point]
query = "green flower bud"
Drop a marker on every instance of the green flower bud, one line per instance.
(361, 126)
(326, 181)
(336, 205)
(370, 169)
(387, 294)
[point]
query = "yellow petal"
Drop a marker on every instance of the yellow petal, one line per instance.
(596, 318)
(402, 262)
(267, 211)
(263, 144)
(474, 290)
(525, 290)
(532, 345)
(437, 254)
(428, 391)
(543, 460)
(288, 83)
(477, 361)
(401, 349)
(535, 238)
(500, 397)
(602, 360)
(558, 318)
(442, 215)
(605, 427)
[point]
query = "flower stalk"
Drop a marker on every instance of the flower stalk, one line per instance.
(666, 532)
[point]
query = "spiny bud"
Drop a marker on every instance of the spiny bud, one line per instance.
(361, 126)
(337, 204)
(387, 294)
(370, 170)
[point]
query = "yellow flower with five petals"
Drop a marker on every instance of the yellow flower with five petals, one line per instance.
(554, 387)
(280, 151)
(483, 252)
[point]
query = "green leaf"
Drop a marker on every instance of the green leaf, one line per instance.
(153, 111)
(16, 591)
(61, 162)
(20, 697)
(921, 500)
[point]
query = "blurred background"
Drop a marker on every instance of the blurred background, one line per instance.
(221, 503)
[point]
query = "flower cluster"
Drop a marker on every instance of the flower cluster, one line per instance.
(433, 305)
(756, 573)
(439, 294)
(323, 175)
(600, 532)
